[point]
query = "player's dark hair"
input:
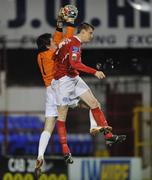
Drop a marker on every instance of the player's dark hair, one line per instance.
(43, 41)
(85, 26)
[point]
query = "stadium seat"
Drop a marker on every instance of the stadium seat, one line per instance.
(1, 122)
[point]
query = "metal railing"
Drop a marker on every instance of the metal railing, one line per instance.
(143, 146)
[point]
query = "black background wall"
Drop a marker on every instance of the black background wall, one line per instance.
(22, 68)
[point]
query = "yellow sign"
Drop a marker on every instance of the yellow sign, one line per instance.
(29, 176)
(116, 171)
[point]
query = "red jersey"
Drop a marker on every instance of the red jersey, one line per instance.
(68, 58)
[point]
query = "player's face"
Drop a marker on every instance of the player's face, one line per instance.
(88, 35)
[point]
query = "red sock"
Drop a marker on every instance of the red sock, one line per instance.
(100, 119)
(108, 135)
(61, 129)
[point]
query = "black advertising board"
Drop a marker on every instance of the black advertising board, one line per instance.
(22, 168)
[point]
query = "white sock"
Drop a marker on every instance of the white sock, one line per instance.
(92, 120)
(43, 142)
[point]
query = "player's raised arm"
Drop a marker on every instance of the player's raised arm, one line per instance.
(70, 13)
(66, 15)
(58, 35)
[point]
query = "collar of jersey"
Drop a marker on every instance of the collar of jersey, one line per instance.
(77, 38)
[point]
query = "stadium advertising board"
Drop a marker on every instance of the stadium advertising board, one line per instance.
(18, 168)
(105, 169)
(116, 22)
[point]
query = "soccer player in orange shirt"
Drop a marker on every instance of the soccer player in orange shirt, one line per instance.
(47, 45)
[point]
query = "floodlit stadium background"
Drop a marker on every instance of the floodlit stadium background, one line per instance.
(123, 46)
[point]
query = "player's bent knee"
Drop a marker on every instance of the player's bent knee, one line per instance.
(94, 104)
(62, 118)
(99, 105)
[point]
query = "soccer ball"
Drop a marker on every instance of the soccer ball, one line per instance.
(69, 11)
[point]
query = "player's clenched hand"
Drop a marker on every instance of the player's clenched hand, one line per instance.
(100, 74)
(59, 23)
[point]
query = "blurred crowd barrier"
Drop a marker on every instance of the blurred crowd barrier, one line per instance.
(19, 135)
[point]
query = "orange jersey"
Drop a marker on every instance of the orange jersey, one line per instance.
(45, 58)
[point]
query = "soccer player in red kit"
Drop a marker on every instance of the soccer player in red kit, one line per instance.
(70, 87)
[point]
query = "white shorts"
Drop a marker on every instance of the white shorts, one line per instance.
(69, 89)
(50, 106)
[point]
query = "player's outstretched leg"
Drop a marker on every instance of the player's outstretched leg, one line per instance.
(61, 129)
(101, 126)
